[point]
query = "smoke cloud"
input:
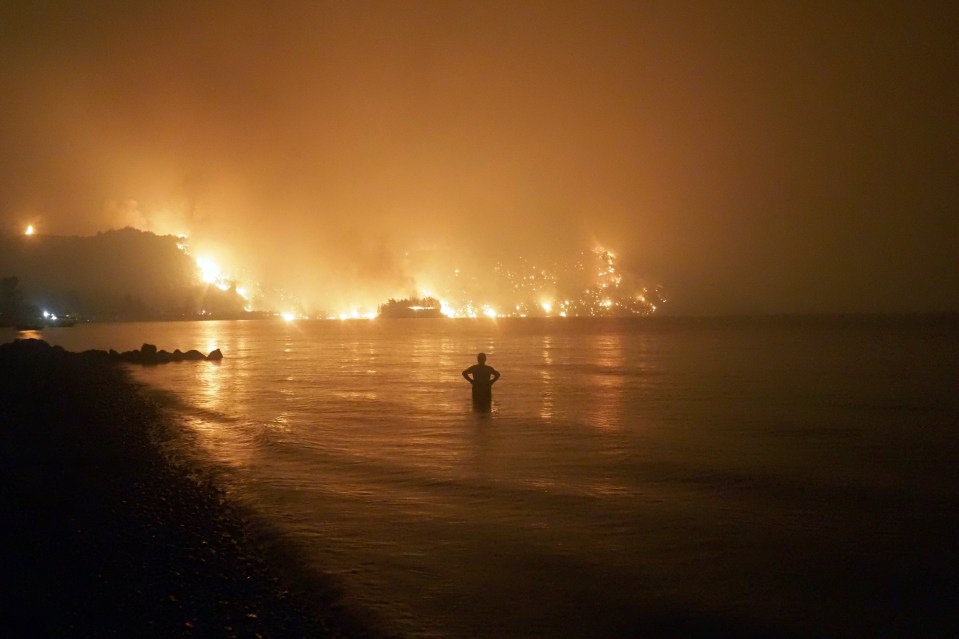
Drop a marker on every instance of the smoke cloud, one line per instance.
(753, 158)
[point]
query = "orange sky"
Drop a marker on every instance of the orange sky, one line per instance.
(748, 156)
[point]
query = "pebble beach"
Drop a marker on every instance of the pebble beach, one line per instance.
(105, 536)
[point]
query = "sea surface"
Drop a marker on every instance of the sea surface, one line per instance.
(784, 476)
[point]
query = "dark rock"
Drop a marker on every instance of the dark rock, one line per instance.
(148, 354)
(27, 345)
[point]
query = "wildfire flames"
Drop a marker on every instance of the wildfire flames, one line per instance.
(590, 286)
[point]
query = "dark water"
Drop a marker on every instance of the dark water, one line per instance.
(767, 477)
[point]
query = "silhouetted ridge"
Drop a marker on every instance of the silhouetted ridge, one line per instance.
(115, 275)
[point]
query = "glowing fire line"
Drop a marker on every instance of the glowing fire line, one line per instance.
(603, 294)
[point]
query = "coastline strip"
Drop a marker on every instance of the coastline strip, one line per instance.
(107, 537)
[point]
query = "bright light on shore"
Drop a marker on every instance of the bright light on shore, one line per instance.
(209, 270)
(447, 310)
(289, 317)
(355, 314)
(30, 230)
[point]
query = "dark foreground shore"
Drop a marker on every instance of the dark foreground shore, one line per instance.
(105, 537)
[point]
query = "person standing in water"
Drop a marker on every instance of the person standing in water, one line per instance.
(482, 378)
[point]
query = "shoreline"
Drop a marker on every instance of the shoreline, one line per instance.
(108, 537)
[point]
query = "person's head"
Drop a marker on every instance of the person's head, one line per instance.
(481, 358)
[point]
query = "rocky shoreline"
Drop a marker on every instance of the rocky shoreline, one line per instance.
(148, 354)
(106, 537)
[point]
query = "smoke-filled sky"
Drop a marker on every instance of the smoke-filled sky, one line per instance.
(747, 156)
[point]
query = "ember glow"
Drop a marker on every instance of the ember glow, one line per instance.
(210, 272)
(591, 285)
(354, 314)
(588, 286)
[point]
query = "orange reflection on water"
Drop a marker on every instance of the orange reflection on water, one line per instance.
(208, 378)
(219, 387)
(546, 407)
(609, 382)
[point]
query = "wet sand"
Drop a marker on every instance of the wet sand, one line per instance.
(106, 537)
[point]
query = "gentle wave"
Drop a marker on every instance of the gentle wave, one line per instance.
(634, 477)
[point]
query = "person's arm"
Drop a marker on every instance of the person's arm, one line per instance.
(466, 374)
(495, 377)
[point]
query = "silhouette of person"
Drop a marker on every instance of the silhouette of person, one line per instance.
(482, 378)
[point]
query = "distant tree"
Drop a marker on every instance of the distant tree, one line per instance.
(411, 307)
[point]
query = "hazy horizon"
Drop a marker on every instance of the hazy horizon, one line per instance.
(748, 158)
